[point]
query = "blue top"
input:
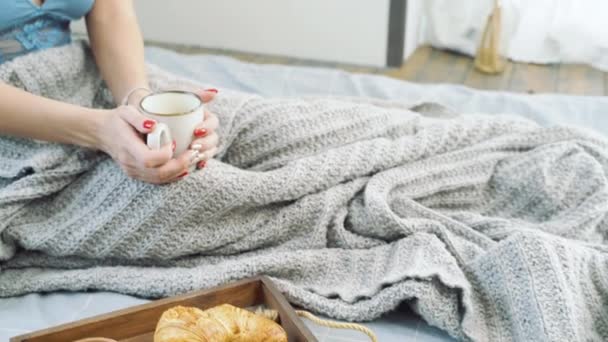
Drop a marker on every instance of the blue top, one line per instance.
(27, 27)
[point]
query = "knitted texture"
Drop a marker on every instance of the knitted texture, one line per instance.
(492, 229)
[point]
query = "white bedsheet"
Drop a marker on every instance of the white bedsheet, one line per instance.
(35, 311)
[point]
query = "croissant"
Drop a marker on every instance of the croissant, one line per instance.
(223, 323)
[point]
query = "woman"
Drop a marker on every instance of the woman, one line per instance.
(352, 207)
(116, 42)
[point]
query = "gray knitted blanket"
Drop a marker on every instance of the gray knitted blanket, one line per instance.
(492, 229)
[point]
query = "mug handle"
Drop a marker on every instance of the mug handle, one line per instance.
(159, 137)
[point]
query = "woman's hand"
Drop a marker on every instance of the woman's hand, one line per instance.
(120, 136)
(204, 146)
(206, 139)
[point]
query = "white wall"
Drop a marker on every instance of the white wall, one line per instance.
(346, 31)
(414, 27)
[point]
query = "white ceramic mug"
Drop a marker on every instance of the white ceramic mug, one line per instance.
(177, 114)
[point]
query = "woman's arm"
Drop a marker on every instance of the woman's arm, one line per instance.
(117, 46)
(27, 115)
(116, 131)
(119, 52)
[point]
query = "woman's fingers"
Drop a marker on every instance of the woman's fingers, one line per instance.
(174, 169)
(142, 155)
(203, 157)
(203, 144)
(205, 128)
(169, 171)
(207, 95)
(206, 139)
(211, 121)
(149, 158)
(140, 122)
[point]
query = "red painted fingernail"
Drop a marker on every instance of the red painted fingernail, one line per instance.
(200, 132)
(173, 145)
(149, 123)
(183, 174)
(212, 90)
(201, 164)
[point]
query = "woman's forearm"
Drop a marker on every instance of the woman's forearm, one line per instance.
(117, 46)
(118, 49)
(26, 115)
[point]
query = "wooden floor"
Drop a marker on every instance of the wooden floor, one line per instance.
(429, 65)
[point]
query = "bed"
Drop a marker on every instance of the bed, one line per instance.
(36, 311)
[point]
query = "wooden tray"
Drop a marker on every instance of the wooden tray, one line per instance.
(137, 324)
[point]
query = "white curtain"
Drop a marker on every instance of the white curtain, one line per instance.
(539, 31)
